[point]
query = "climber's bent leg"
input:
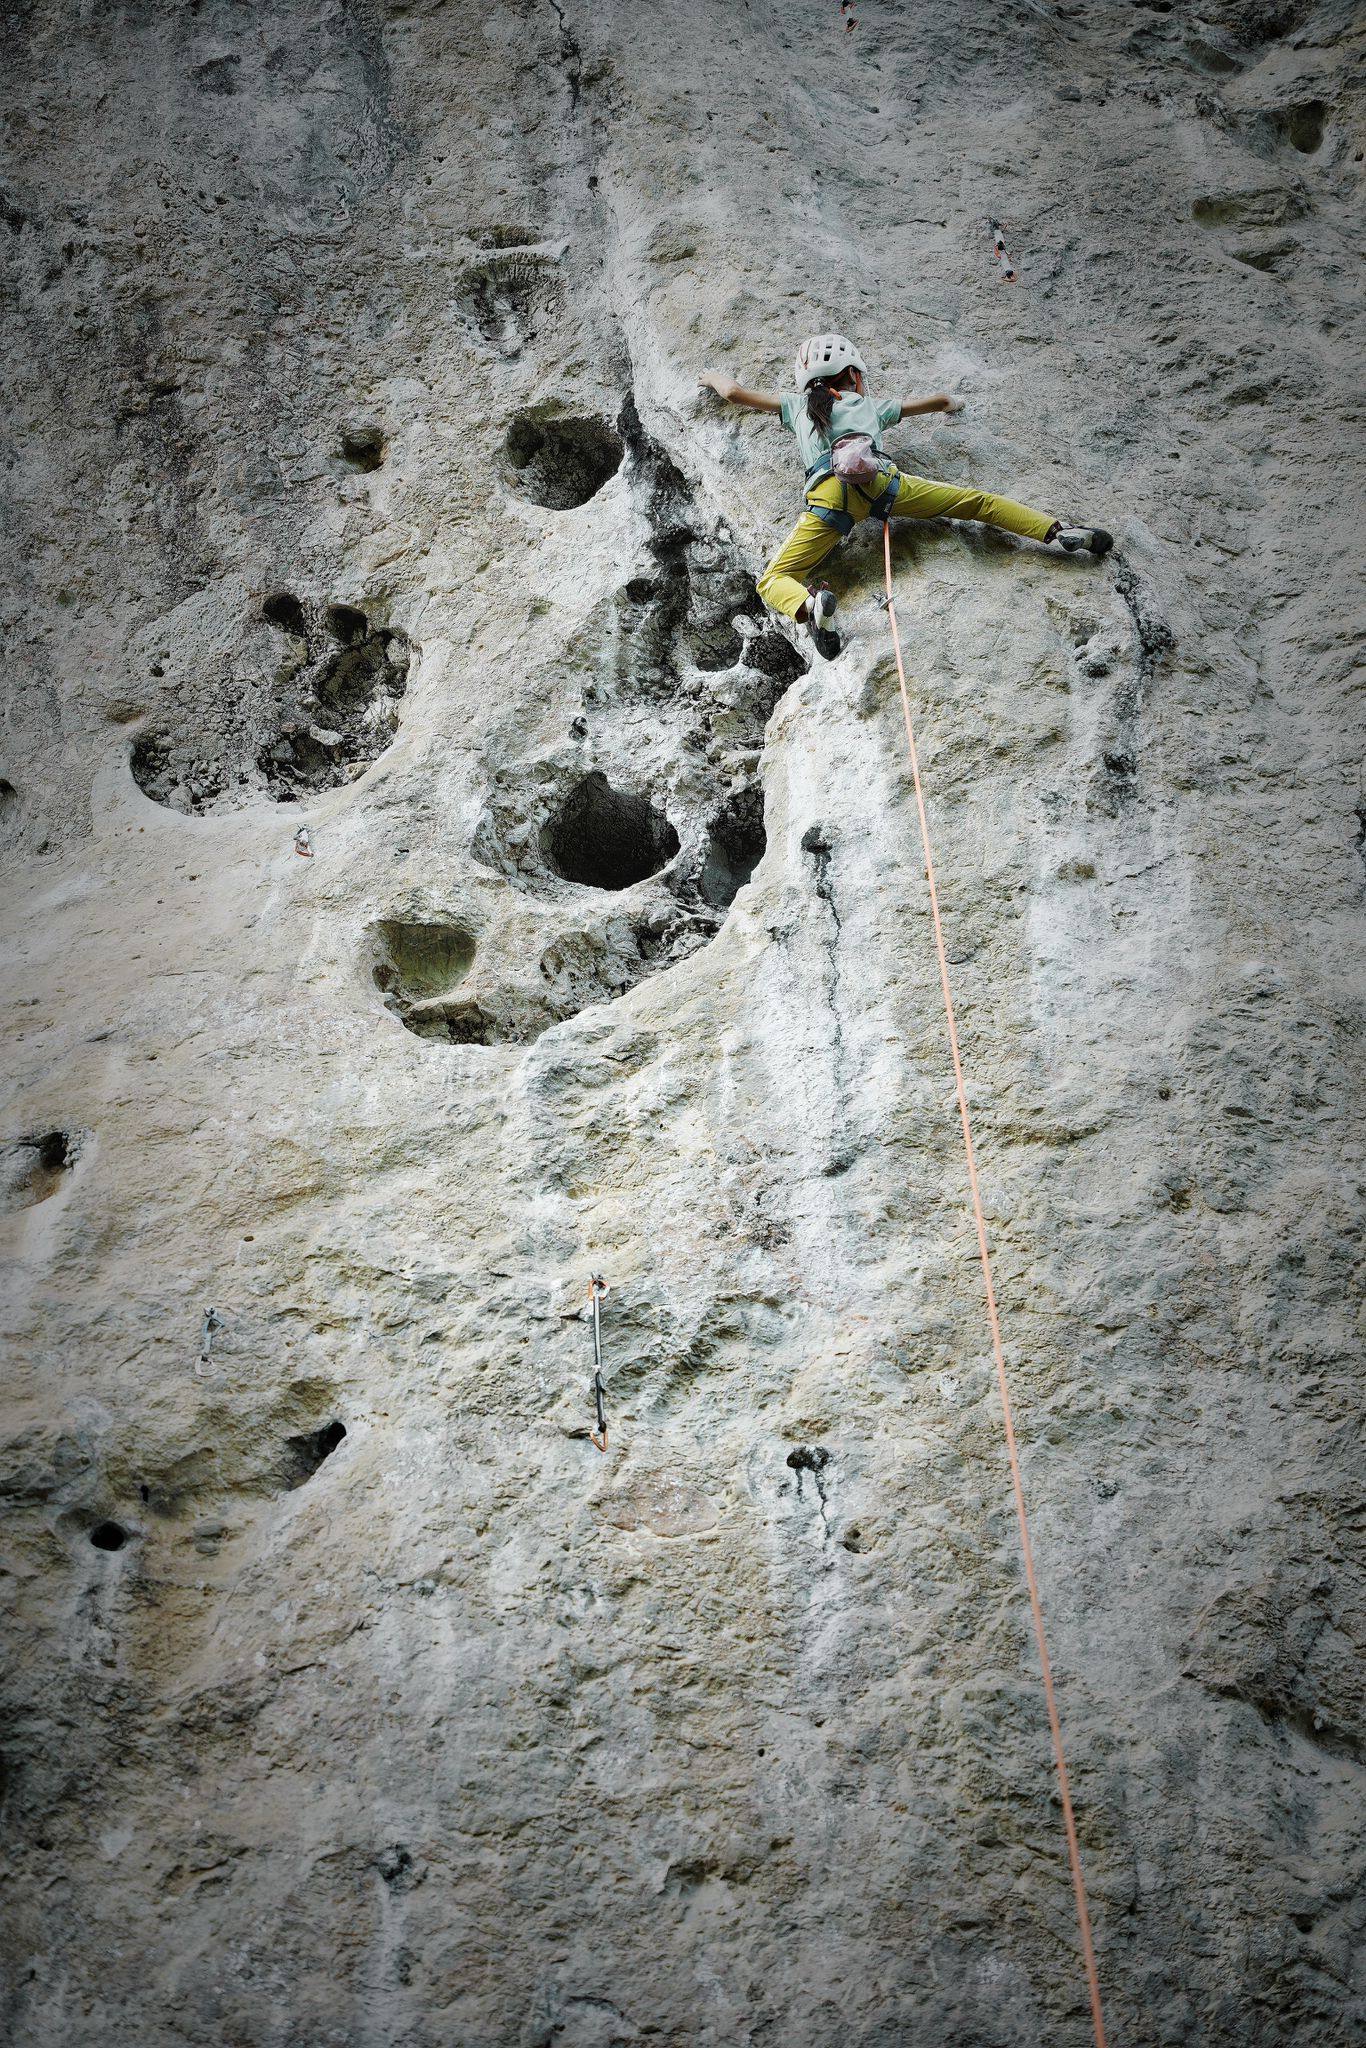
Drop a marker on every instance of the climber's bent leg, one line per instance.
(782, 585)
(919, 497)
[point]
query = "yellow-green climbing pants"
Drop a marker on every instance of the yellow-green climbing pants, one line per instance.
(782, 586)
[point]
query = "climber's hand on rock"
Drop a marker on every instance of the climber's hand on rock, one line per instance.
(719, 382)
(940, 401)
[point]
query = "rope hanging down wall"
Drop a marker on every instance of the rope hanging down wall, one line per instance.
(997, 1350)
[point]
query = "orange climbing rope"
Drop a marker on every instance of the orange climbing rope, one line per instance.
(1021, 1516)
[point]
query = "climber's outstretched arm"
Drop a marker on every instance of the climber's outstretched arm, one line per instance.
(942, 401)
(727, 388)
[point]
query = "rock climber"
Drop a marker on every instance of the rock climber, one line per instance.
(839, 429)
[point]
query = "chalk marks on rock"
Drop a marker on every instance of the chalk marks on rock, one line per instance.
(509, 296)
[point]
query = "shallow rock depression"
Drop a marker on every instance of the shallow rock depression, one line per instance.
(431, 879)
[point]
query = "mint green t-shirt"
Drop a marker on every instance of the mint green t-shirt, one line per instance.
(853, 414)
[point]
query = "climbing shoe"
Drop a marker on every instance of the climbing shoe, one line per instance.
(820, 611)
(1080, 540)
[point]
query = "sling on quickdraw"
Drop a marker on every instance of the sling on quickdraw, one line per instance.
(597, 1288)
(997, 1348)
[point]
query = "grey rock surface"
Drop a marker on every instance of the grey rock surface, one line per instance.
(359, 485)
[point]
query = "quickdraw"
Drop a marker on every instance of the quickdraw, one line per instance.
(211, 1324)
(597, 1288)
(998, 243)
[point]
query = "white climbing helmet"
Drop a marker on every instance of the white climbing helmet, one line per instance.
(825, 355)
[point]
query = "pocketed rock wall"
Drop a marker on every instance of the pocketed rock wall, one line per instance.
(360, 483)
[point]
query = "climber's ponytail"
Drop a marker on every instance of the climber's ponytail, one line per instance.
(820, 406)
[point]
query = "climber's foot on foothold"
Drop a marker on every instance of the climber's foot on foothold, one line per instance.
(820, 606)
(1082, 540)
(816, 615)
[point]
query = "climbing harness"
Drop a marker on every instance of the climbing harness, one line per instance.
(303, 845)
(840, 517)
(880, 496)
(998, 243)
(597, 1288)
(997, 1348)
(211, 1324)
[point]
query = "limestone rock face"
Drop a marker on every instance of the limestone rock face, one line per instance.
(431, 879)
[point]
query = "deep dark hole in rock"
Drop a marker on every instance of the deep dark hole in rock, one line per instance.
(108, 1536)
(816, 842)
(364, 447)
(809, 1458)
(395, 1866)
(735, 845)
(562, 462)
(54, 1151)
(607, 838)
(642, 590)
(1303, 126)
(32, 1169)
(347, 624)
(284, 610)
(307, 1453)
(418, 965)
